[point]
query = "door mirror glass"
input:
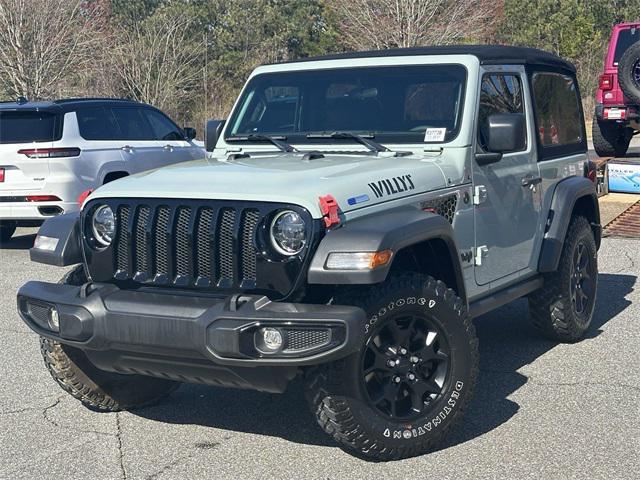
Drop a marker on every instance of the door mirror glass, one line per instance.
(506, 133)
(189, 133)
(212, 133)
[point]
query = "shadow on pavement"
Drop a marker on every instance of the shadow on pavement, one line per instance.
(19, 242)
(507, 343)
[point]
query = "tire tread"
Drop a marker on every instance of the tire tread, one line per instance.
(334, 414)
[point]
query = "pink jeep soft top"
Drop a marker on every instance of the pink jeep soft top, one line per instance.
(617, 115)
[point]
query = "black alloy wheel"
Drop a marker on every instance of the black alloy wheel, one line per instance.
(405, 366)
(582, 280)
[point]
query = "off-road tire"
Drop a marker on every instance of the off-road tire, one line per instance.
(95, 388)
(7, 229)
(626, 66)
(335, 392)
(610, 139)
(551, 308)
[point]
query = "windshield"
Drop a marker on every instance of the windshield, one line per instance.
(28, 126)
(391, 104)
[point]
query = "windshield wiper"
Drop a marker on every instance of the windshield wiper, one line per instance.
(280, 144)
(370, 144)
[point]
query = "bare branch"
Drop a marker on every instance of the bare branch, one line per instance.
(42, 41)
(379, 24)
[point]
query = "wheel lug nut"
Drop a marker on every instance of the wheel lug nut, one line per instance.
(403, 351)
(396, 379)
(414, 359)
(391, 363)
(411, 376)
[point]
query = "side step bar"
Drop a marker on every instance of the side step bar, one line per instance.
(509, 294)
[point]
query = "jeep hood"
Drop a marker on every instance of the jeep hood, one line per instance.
(355, 181)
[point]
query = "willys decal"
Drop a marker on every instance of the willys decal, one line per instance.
(392, 186)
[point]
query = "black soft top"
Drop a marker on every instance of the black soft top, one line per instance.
(486, 54)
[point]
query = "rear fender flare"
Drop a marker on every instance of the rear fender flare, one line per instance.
(571, 195)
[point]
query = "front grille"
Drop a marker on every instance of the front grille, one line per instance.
(186, 245)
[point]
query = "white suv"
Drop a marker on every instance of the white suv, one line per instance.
(51, 152)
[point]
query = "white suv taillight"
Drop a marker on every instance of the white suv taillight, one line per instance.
(50, 152)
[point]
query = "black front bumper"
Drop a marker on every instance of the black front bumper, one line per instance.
(202, 339)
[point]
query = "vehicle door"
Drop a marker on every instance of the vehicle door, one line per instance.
(175, 147)
(139, 148)
(506, 192)
(101, 149)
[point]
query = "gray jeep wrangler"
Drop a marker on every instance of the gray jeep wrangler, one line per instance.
(353, 216)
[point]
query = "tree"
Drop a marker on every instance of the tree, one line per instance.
(381, 24)
(43, 41)
(575, 29)
(129, 12)
(243, 34)
(160, 60)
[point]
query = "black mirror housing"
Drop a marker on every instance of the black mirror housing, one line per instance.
(189, 133)
(212, 133)
(506, 133)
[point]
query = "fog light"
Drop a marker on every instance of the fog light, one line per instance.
(271, 339)
(54, 319)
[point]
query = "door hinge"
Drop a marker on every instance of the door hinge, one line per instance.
(479, 194)
(481, 252)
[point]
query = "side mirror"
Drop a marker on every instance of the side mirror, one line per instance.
(212, 133)
(505, 133)
(189, 133)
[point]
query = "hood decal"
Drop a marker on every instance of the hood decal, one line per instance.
(392, 186)
(358, 199)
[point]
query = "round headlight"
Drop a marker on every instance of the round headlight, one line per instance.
(103, 225)
(288, 233)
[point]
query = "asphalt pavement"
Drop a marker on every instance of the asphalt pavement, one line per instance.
(542, 410)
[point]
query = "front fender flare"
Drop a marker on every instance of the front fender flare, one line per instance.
(392, 230)
(66, 230)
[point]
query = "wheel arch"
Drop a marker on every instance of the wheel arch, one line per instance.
(572, 196)
(422, 242)
(115, 175)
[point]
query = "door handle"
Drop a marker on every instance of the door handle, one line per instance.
(531, 181)
(168, 148)
(127, 148)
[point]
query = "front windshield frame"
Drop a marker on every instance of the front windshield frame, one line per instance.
(382, 136)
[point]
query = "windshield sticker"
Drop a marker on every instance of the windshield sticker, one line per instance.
(392, 186)
(359, 199)
(435, 134)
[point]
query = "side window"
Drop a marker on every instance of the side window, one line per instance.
(132, 124)
(163, 128)
(558, 114)
(97, 123)
(499, 93)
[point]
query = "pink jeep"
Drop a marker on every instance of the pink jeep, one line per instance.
(617, 117)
